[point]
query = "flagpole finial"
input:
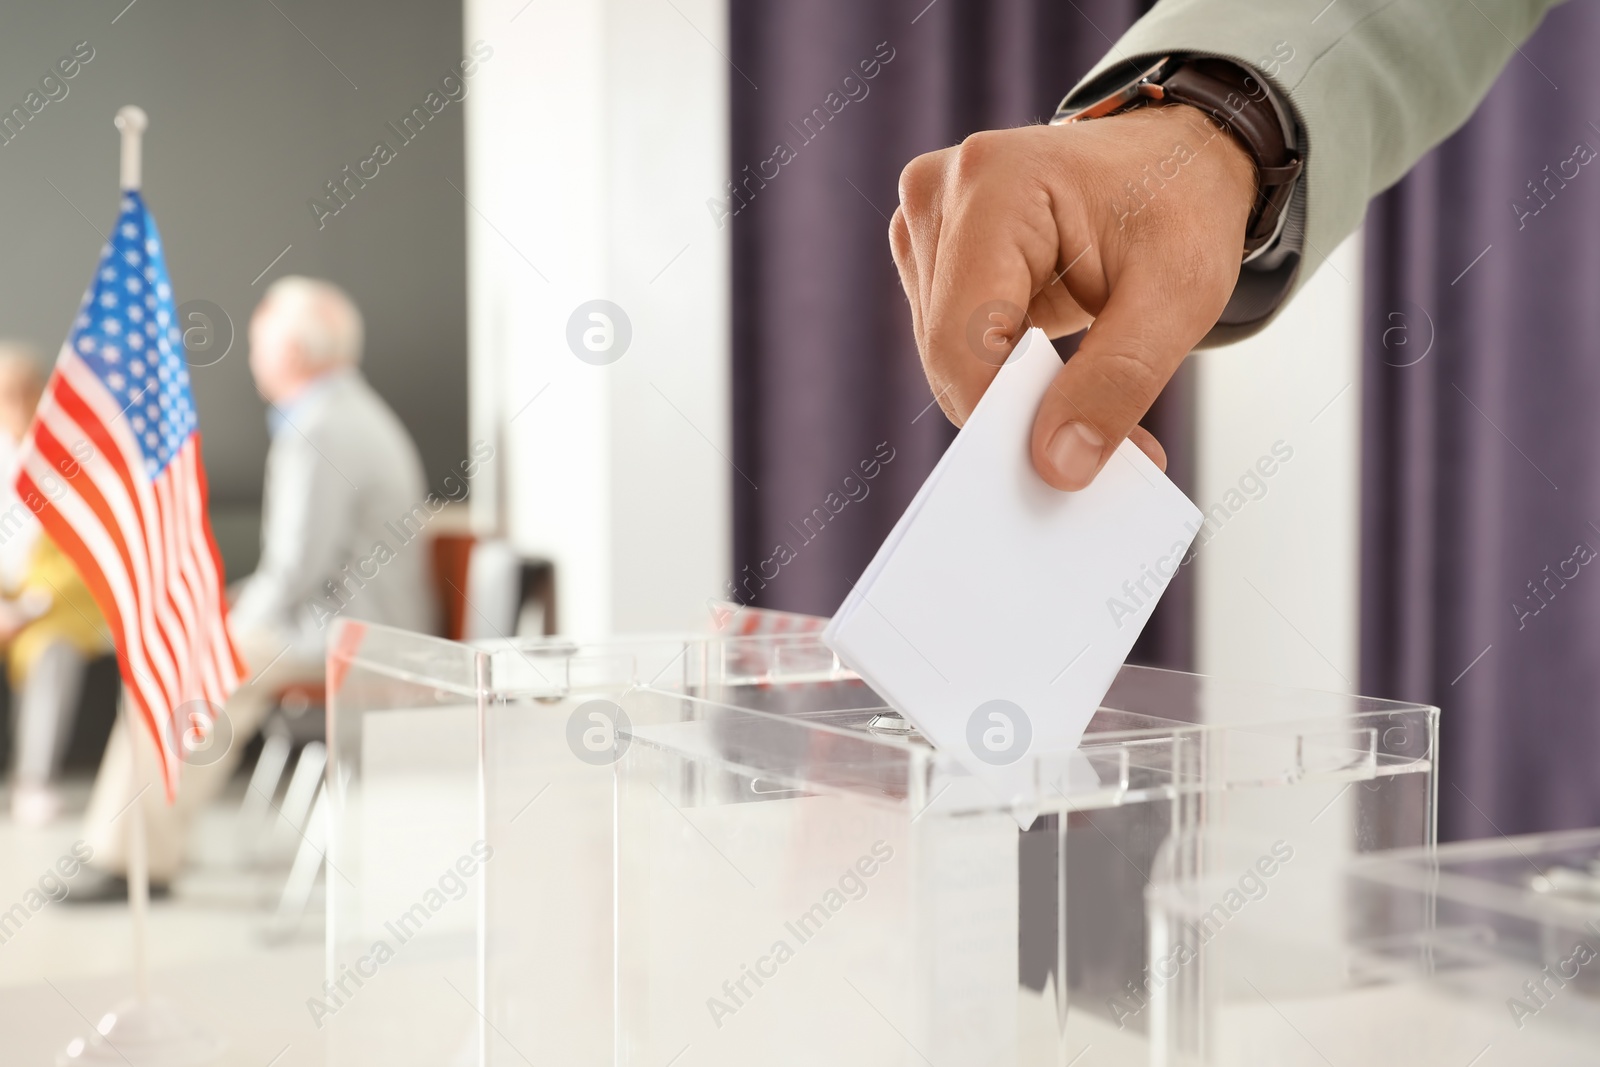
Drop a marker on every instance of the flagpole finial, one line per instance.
(132, 121)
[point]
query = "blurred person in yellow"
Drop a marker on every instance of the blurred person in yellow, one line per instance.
(49, 624)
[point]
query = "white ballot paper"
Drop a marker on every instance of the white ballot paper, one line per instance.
(998, 611)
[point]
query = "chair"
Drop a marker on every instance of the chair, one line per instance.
(505, 594)
(485, 590)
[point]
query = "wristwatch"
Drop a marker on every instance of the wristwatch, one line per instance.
(1241, 103)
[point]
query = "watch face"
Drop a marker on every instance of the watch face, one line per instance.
(1146, 84)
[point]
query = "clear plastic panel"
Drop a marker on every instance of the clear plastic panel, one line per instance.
(407, 854)
(550, 735)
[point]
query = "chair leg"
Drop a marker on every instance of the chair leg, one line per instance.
(302, 880)
(298, 798)
(264, 779)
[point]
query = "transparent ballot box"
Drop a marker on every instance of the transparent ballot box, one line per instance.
(1481, 952)
(470, 849)
(724, 850)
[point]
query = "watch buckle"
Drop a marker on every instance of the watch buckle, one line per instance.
(1146, 87)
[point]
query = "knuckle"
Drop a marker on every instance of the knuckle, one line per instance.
(919, 183)
(899, 236)
(977, 153)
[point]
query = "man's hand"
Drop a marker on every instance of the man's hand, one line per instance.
(1133, 222)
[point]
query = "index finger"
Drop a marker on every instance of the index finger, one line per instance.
(992, 257)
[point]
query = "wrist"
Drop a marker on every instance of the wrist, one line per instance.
(1233, 167)
(1219, 174)
(1233, 96)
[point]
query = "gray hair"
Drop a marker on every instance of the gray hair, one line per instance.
(322, 319)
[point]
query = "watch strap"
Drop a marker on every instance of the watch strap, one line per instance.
(1242, 104)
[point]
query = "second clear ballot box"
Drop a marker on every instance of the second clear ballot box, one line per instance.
(711, 849)
(1477, 952)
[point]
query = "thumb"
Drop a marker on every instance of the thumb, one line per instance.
(1147, 327)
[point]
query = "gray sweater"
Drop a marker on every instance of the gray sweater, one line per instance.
(344, 520)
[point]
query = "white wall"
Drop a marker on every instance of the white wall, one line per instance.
(594, 137)
(1279, 580)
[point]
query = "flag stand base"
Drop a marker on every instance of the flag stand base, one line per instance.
(144, 1033)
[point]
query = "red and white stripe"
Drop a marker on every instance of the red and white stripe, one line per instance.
(143, 546)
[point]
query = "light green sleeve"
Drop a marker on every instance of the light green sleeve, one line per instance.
(1375, 84)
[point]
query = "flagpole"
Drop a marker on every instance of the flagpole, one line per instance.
(138, 866)
(132, 121)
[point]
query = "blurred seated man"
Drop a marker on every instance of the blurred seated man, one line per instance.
(342, 474)
(49, 624)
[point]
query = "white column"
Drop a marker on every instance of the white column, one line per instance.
(595, 134)
(1280, 575)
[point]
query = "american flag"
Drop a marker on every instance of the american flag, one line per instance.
(112, 468)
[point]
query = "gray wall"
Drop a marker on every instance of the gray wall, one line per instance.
(247, 121)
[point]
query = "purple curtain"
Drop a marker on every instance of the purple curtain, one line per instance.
(831, 98)
(1481, 510)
